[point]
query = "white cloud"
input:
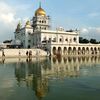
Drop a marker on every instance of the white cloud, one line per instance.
(8, 21)
(90, 32)
(84, 30)
(98, 30)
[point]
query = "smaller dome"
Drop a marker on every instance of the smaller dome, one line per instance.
(40, 12)
(19, 26)
(28, 24)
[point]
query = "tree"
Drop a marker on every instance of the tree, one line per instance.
(85, 41)
(93, 41)
(7, 41)
(82, 40)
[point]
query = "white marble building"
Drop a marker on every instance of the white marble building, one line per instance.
(38, 34)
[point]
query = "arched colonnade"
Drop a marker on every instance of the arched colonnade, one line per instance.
(76, 50)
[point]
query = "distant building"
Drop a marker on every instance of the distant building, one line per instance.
(38, 34)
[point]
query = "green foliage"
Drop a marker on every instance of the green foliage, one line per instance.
(83, 40)
(93, 41)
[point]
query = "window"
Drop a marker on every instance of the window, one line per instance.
(66, 39)
(74, 39)
(36, 27)
(70, 41)
(45, 28)
(44, 38)
(42, 21)
(54, 40)
(49, 39)
(23, 41)
(39, 38)
(29, 41)
(29, 33)
(60, 39)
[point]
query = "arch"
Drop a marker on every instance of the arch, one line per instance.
(87, 59)
(64, 50)
(70, 59)
(87, 50)
(54, 51)
(79, 50)
(29, 46)
(74, 50)
(92, 51)
(59, 51)
(91, 48)
(59, 59)
(83, 50)
(79, 59)
(95, 58)
(83, 59)
(92, 59)
(54, 60)
(65, 60)
(74, 59)
(69, 50)
(95, 50)
(99, 50)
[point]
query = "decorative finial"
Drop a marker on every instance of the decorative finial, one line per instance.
(19, 25)
(40, 4)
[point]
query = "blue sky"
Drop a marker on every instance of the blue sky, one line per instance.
(70, 14)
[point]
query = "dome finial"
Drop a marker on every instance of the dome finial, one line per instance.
(40, 4)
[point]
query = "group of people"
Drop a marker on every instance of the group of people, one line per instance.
(29, 53)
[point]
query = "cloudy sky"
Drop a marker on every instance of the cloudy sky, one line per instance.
(70, 14)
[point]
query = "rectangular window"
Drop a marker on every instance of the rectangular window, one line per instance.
(66, 39)
(54, 39)
(29, 41)
(49, 40)
(60, 39)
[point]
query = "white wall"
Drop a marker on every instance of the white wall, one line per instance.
(22, 52)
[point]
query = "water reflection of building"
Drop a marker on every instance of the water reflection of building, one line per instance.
(20, 72)
(40, 86)
(31, 73)
(37, 74)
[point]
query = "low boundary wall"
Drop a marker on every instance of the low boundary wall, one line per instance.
(22, 53)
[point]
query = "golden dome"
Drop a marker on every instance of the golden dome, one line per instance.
(40, 12)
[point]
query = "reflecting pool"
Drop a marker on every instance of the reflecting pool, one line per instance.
(69, 78)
